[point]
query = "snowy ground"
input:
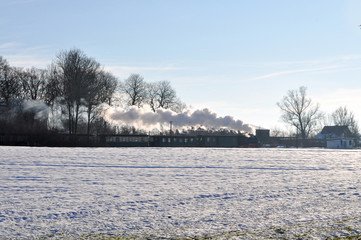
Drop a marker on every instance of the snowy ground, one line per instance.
(178, 192)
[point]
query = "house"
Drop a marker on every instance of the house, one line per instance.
(334, 132)
(340, 143)
(337, 137)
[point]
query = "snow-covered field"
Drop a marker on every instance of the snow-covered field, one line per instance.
(179, 192)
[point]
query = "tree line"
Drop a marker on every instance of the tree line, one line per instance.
(305, 116)
(71, 95)
(73, 92)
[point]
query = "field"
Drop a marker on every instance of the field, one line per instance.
(179, 193)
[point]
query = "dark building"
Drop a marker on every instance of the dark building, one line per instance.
(263, 136)
(334, 132)
(338, 137)
(265, 140)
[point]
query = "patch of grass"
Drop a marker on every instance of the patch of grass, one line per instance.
(280, 231)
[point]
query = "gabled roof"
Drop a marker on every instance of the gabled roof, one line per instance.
(336, 131)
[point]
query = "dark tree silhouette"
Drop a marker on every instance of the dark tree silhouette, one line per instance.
(135, 90)
(10, 85)
(162, 95)
(75, 72)
(33, 83)
(99, 91)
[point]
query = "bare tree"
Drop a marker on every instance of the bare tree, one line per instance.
(162, 95)
(33, 82)
(53, 97)
(53, 86)
(166, 94)
(100, 91)
(135, 90)
(278, 132)
(152, 96)
(10, 86)
(178, 106)
(17, 86)
(300, 112)
(343, 117)
(76, 72)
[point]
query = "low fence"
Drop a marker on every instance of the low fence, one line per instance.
(49, 140)
(293, 142)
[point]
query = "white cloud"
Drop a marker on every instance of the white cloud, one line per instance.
(306, 63)
(324, 65)
(27, 61)
(128, 68)
(275, 74)
(8, 46)
(19, 55)
(125, 71)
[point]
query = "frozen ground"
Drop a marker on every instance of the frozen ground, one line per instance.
(178, 192)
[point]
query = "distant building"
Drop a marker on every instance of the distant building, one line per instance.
(337, 137)
(341, 143)
(334, 132)
(263, 136)
(265, 140)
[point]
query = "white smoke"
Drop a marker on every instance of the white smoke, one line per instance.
(39, 108)
(146, 119)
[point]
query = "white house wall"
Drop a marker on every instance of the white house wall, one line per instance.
(340, 144)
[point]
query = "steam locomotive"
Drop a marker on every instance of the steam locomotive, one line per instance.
(185, 140)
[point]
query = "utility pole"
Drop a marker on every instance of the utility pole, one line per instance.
(170, 132)
(170, 128)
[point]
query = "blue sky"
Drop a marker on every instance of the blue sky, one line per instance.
(236, 58)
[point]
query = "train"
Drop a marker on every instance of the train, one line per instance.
(239, 140)
(226, 139)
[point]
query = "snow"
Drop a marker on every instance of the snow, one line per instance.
(179, 192)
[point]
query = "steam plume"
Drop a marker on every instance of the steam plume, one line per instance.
(147, 119)
(38, 107)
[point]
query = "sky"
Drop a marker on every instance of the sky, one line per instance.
(234, 57)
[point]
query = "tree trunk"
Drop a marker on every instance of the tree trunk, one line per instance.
(88, 124)
(70, 119)
(76, 118)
